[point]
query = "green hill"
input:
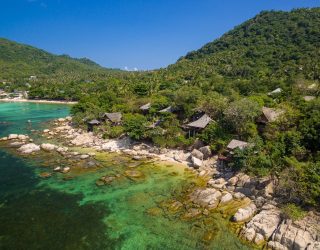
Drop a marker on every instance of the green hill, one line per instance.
(273, 44)
(20, 61)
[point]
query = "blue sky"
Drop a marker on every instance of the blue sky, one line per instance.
(142, 34)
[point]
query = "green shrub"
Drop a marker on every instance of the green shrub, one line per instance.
(292, 211)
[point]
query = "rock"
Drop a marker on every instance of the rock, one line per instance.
(217, 183)
(68, 118)
(12, 136)
(83, 139)
(107, 179)
(239, 196)
(29, 148)
(181, 156)
(208, 197)
(62, 149)
(57, 169)
(302, 234)
(276, 246)
(133, 173)
(263, 224)
(233, 181)
(192, 213)
(90, 164)
(16, 144)
(91, 154)
(84, 157)
(46, 131)
(4, 138)
(197, 163)
(197, 144)
(245, 213)
(242, 180)
(48, 147)
(245, 191)
(196, 153)
(206, 151)
(61, 120)
(259, 239)
(226, 198)
(23, 137)
(65, 170)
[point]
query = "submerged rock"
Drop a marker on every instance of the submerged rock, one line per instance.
(133, 174)
(208, 197)
(45, 175)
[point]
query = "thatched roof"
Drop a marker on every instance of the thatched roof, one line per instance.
(94, 122)
(202, 122)
(146, 106)
(237, 144)
(113, 117)
(167, 109)
(271, 114)
(276, 91)
(308, 98)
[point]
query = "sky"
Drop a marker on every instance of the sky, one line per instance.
(128, 34)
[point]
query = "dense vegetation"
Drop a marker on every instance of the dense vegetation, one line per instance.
(227, 79)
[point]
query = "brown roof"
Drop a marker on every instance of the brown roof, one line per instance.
(94, 122)
(237, 144)
(113, 117)
(202, 122)
(271, 114)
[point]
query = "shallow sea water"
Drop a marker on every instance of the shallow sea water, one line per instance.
(75, 213)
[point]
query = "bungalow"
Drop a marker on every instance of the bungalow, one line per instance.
(91, 124)
(166, 110)
(276, 91)
(269, 115)
(145, 108)
(308, 98)
(233, 144)
(225, 158)
(199, 124)
(114, 118)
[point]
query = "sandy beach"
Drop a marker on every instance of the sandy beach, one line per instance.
(37, 101)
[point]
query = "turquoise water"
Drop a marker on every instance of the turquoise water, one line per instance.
(71, 212)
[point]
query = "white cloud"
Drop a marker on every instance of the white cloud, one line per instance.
(126, 68)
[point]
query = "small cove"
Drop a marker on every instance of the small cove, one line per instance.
(130, 213)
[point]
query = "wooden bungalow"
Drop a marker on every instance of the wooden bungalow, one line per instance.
(198, 124)
(166, 110)
(114, 118)
(233, 144)
(269, 115)
(91, 124)
(276, 91)
(145, 108)
(308, 98)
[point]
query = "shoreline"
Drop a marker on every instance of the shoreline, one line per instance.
(38, 101)
(259, 217)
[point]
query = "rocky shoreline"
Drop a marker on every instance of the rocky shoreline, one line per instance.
(260, 219)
